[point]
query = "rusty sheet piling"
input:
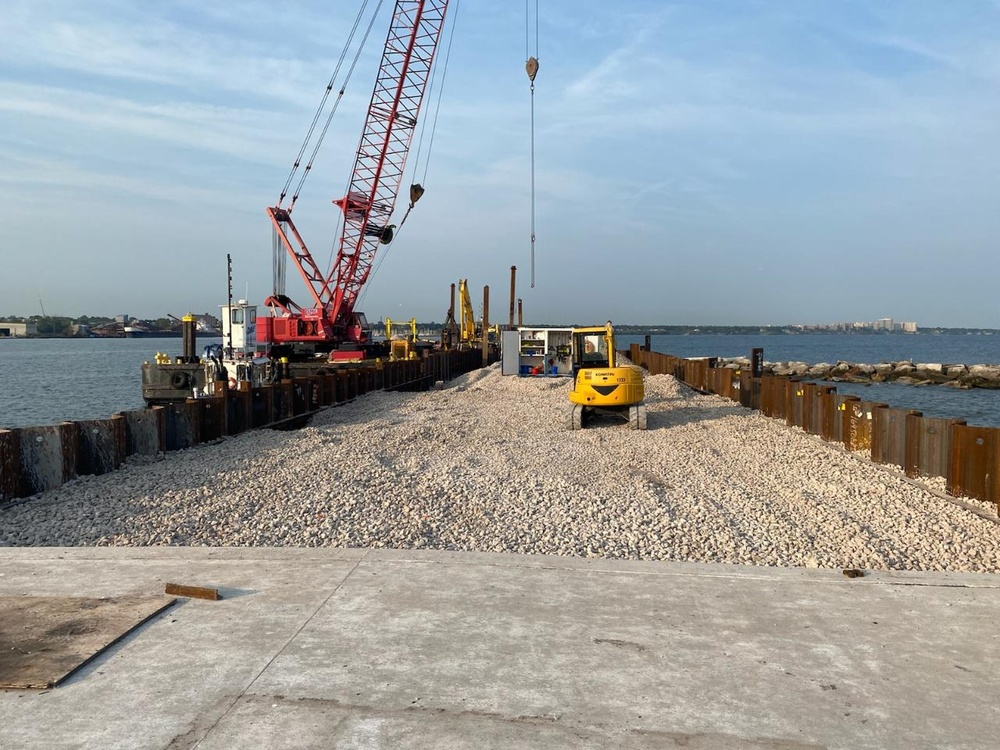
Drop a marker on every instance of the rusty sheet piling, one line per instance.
(145, 431)
(929, 445)
(794, 402)
(10, 465)
(102, 446)
(975, 459)
(835, 415)
(814, 406)
(889, 435)
(183, 425)
(48, 457)
(38, 459)
(858, 425)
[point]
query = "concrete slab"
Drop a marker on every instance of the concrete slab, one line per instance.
(410, 649)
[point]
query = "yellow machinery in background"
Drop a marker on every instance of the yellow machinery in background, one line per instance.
(467, 335)
(470, 331)
(402, 348)
(600, 387)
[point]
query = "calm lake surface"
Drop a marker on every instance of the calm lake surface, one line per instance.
(978, 407)
(816, 348)
(45, 381)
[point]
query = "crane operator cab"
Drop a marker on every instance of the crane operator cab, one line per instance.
(600, 387)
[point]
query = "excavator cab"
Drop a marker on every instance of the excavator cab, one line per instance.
(600, 387)
(592, 348)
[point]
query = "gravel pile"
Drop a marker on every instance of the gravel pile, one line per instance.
(487, 464)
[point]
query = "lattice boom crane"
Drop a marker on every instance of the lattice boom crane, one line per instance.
(371, 197)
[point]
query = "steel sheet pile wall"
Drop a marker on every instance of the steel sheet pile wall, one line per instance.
(145, 431)
(37, 459)
(834, 418)
(48, 457)
(101, 445)
(975, 456)
(889, 428)
(929, 445)
(967, 457)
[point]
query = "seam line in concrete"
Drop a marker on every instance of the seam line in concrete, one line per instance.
(280, 651)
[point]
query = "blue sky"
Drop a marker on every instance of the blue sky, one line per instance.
(697, 163)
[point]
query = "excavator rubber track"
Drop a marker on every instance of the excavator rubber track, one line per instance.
(577, 416)
(637, 417)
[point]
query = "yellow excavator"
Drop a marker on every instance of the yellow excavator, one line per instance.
(600, 387)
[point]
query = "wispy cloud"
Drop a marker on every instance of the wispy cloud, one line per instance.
(734, 125)
(25, 177)
(244, 133)
(139, 45)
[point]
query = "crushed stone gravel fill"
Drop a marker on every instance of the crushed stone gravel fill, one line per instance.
(488, 464)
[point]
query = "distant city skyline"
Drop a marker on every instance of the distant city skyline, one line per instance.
(881, 324)
(699, 162)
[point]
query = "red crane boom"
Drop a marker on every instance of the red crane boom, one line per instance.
(371, 197)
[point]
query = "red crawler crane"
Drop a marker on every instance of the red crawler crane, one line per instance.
(378, 170)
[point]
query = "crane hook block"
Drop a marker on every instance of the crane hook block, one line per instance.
(532, 67)
(416, 190)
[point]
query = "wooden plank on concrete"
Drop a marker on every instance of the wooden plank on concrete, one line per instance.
(47, 638)
(195, 592)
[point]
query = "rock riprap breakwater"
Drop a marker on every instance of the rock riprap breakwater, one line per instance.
(908, 372)
(487, 464)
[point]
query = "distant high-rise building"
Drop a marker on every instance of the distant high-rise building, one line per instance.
(908, 326)
(883, 324)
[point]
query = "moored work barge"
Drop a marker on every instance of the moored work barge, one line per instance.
(238, 366)
(234, 366)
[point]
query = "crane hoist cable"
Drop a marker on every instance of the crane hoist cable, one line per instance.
(417, 189)
(440, 92)
(531, 68)
(326, 126)
(322, 104)
(340, 95)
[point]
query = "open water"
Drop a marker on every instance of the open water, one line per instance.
(978, 406)
(45, 381)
